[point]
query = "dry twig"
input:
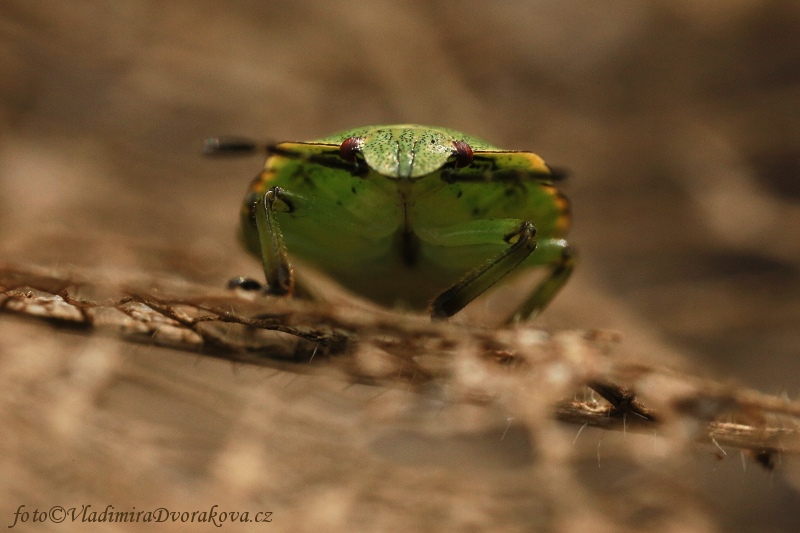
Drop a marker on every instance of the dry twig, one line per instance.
(390, 349)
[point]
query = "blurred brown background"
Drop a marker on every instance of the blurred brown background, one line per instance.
(678, 119)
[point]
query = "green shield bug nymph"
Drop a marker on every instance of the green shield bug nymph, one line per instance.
(422, 215)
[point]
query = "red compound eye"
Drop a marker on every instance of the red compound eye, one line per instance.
(463, 154)
(350, 147)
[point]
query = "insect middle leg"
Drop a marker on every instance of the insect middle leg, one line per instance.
(560, 258)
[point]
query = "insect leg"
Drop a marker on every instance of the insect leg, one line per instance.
(561, 259)
(280, 280)
(244, 283)
(479, 280)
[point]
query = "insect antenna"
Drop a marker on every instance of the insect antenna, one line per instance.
(232, 147)
(558, 173)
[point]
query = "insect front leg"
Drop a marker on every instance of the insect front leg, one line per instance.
(316, 228)
(522, 243)
(278, 272)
